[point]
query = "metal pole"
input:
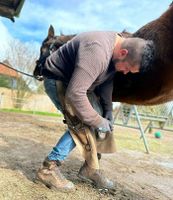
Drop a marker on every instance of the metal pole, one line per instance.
(141, 129)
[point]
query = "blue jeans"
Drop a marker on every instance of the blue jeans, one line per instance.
(66, 144)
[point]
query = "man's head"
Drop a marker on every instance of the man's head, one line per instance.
(133, 55)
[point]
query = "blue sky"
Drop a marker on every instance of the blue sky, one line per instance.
(75, 16)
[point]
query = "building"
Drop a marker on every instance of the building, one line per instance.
(8, 77)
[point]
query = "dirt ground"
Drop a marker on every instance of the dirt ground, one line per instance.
(25, 140)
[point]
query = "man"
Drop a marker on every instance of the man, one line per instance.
(86, 63)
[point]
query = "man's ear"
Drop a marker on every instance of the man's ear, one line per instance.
(123, 53)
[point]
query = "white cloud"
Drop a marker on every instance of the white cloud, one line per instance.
(4, 33)
(104, 15)
(75, 16)
(4, 40)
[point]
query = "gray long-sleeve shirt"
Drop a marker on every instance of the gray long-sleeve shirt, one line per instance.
(84, 63)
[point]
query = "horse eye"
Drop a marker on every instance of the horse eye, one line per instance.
(53, 49)
(44, 49)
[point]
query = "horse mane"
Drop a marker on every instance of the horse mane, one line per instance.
(62, 39)
(126, 34)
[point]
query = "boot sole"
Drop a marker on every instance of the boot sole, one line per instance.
(41, 183)
(91, 182)
(85, 179)
(47, 185)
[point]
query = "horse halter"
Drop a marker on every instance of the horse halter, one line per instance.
(41, 61)
(39, 67)
(55, 44)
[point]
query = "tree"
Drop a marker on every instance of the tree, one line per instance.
(22, 57)
(5, 81)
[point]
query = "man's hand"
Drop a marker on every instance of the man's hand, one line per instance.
(105, 126)
(108, 115)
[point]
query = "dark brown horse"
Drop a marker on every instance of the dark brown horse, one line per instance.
(154, 86)
(50, 44)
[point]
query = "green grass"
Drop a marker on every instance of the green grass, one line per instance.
(130, 139)
(31, 112)
(125, 138)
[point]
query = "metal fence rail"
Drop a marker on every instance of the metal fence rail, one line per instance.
(145, 118)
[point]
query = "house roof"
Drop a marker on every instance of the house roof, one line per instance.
(4, 70)
(11, 8)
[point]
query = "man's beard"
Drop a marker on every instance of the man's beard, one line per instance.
(116, 60)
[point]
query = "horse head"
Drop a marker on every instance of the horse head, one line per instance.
(50, 44)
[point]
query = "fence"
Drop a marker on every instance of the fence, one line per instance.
(34, 103)
(145, 118)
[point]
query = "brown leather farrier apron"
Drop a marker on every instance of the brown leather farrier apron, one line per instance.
(83, 135)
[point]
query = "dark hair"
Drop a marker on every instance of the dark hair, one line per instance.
(148, 56)
(140, 51)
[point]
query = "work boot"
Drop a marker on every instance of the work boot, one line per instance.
(50, 175)
(96, 176)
